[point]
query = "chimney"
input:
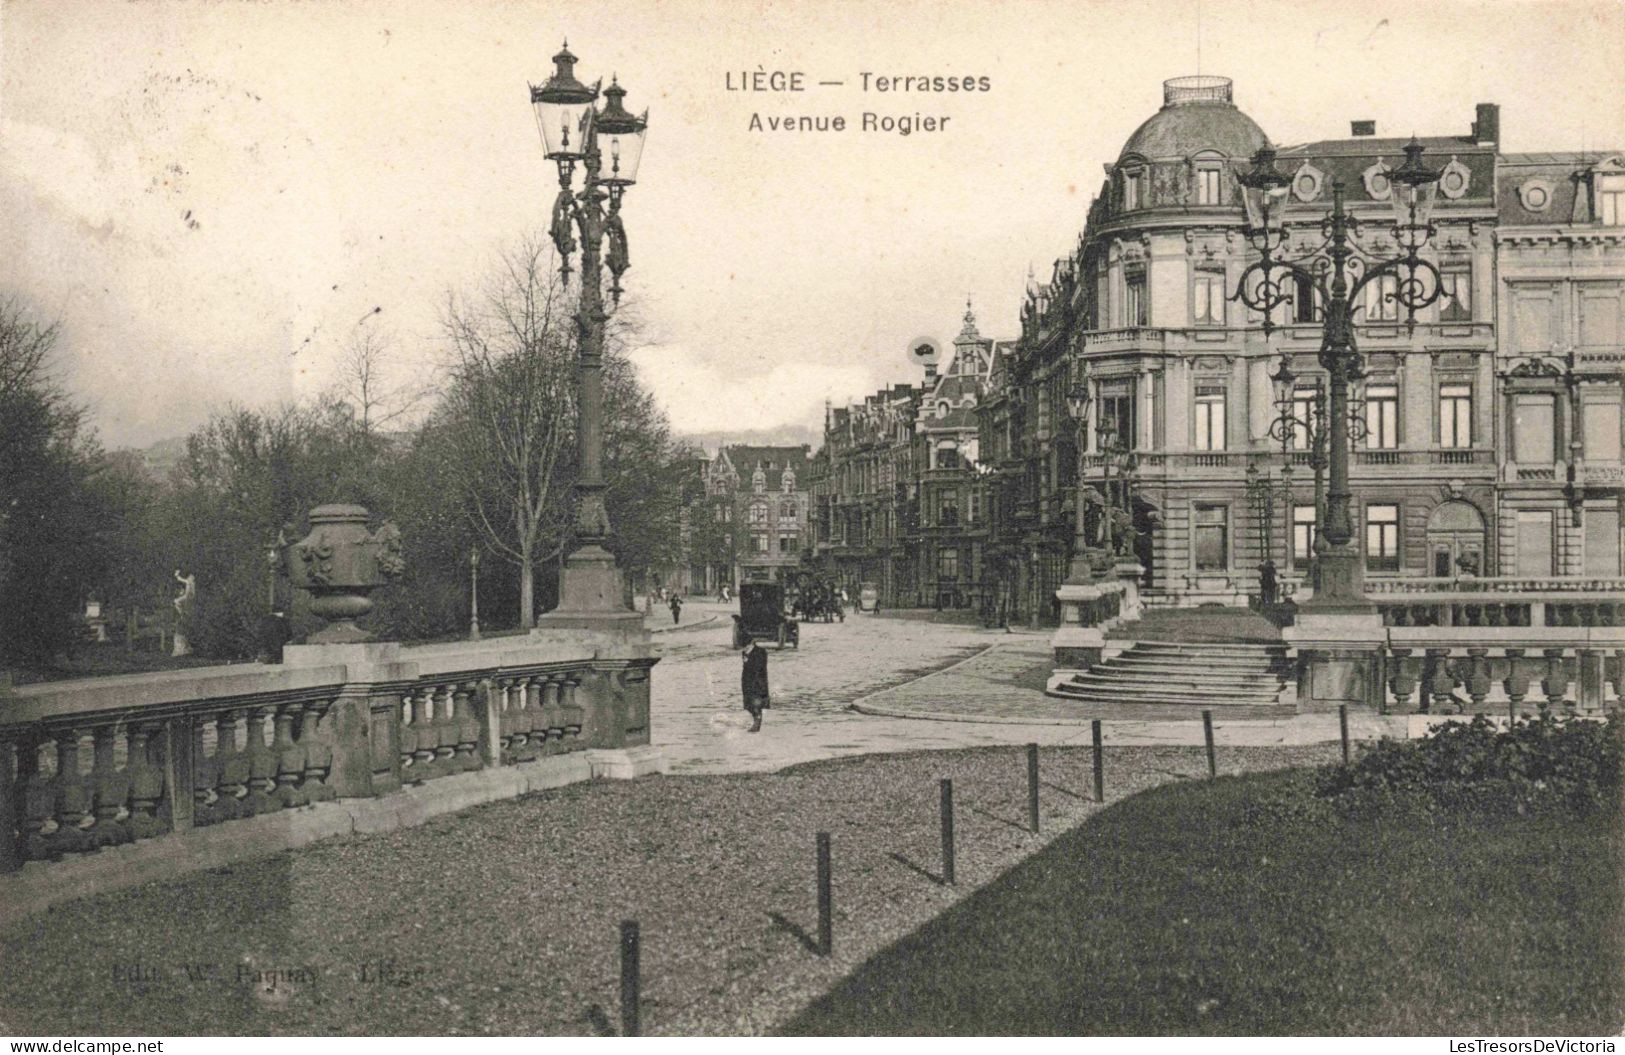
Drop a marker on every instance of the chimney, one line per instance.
(1487, 128)
(1362, 128)
(930, 374)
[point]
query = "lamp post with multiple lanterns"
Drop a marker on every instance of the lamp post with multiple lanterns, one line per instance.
(606, 142)
(1336, 272)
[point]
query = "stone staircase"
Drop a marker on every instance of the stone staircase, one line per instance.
(1170, 679)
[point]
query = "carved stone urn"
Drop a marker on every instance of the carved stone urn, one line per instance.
(340, 563)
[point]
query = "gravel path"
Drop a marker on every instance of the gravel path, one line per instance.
(503, 919)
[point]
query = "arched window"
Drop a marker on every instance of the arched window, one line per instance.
(787, 509)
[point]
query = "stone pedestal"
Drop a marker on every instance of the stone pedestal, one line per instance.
(1339, 656)
(590, 593)
(1128, 573)
(1077, 646)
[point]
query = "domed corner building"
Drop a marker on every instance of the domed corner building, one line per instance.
(1180, 373)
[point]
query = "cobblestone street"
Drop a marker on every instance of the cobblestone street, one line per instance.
(918, 686)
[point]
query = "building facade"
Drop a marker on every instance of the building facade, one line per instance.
(1488, 434)
(755, 513)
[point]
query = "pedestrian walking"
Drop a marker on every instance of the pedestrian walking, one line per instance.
(676, 607)
(753, 681)
(1268, 582)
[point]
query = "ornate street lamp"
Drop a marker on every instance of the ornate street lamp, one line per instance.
(474, 593)
(1338, 270)
(1077, 403)
(608, 144)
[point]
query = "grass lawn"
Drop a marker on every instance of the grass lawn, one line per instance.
(1190, 910)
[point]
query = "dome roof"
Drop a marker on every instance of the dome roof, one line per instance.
(1196, 115)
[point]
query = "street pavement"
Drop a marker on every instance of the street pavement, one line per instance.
(954, 683)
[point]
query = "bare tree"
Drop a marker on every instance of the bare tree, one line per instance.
(365, 385)
(509, 410)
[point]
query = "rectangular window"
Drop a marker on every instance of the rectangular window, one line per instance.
(1303, 533)
(947, 508)
(1382, 537)
(1210, 435)
(1535, 549)
(1207, 296)
(1456, 295)
(1134, 313)
(1115, 426)
(1207, 186)
(1533, 435)
(1602, 542)
(761, 543)
(948, 565)
(1212, 541)
(1131, 191)
(1455, 416)
(1305, 416)
(1611, 200)
(1305, 301)
(787, 543)
(1381, 417)
(1381, 304)
(1601, 421)
(976, 498)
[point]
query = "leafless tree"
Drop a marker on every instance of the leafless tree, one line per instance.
(508, 412)
(365, 383)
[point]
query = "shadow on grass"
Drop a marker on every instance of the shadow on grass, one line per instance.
(1017, 825)
(784, 923)
(1239, 906)
(935, 877)
(598, 1019)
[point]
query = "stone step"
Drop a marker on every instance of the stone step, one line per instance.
(1129, 680)
(1184, 663)
(1177, 710)
(1102, 688)
(1199, 648)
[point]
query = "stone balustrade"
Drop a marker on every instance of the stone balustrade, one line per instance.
(99, 762)
(1500, 602)
(1453, 678)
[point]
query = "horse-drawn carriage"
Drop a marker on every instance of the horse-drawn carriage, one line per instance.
(816, 598)
(762, 616)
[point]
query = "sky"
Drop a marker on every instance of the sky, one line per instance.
(214, 198)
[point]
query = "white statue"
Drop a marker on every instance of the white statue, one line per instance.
(183, 613)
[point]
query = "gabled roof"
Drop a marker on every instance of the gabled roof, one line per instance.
(745, 460)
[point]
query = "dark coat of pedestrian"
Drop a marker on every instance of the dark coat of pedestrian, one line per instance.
(753, 681)
(1268, 582)
(676, 608)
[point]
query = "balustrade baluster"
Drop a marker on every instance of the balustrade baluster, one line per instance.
(409, 733)
(262, 765)
(1441, 682)
(427, 738)
(1402, 680)
(232, 771)
(316, 785)
(574, 712)
(1616, 675)
(509, 717)
(467, 746)
(112, 791)
(146, 782)
(72, 801)
(1495, 614)
(528, 696)
(1516, 682)
(553, 710)
(1556, 682)
(445, 750)
(290, 758)
(39, 799)
(1478, 677)
(204, 776)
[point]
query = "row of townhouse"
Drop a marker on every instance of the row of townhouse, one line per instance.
(1491, 430)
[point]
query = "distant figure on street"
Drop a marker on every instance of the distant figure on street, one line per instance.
(676, 608)
(1268, 582)
(753, 681)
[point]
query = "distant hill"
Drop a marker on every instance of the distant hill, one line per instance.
(779, 436)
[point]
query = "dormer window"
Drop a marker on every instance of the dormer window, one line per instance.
(1610, 195)
(1207, 185)
(758, 482)
(1131, 189)
(789, 481)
